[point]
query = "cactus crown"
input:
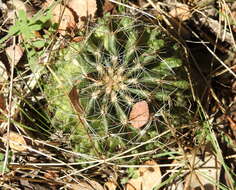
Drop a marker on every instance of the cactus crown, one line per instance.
(122, 62)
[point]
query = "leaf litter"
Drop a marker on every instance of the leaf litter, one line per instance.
(73, 14)
(149, 177)
(139, 116)
(16, 141)
(14, 53)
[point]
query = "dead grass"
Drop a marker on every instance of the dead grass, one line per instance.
(198, 155)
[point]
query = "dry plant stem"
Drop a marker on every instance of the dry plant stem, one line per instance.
(38, 152)
(84, 156)
(118, 155)
(212, 52)
(191, 165)
(32, 180)
(88, 162)
(76, 164)
(225, 70)
(133, 8)
(160, 11)
(216, 146)
(61, 149)
(216, 57)
(216, 27)
(9, 115)
(79, 171)
(205, 3)
(217, 100)
(192, 172)
(227, 11)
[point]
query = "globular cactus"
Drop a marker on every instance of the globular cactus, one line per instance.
(122, 61)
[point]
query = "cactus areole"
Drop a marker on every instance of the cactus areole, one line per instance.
(121, 62)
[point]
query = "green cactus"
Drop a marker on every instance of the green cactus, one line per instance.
(123, 61)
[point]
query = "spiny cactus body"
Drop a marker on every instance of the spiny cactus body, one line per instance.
(122, 62)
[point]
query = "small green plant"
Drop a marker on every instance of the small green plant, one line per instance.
(122, 62)
(27, 26)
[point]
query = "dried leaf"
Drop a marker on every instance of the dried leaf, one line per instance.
(108, 6)
(149, 177)
(15, 141)
(83, 8)
(64, 17)
(74, 99)
(181, 12)
(14, 53)
(110, 185)
(51, 174)
(139, 114)
(232, 123)
(78, 39)
(90, 185)
(18, 5)
(205, 174)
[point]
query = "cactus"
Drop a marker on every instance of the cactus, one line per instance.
(121, 62)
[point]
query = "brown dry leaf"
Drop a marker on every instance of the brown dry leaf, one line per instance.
(19, 5)
(83, 8)
(15, 141)
(108, 6)
(90, 185)
(74, 99)
(232, 123)
(64, 17)
(181, 12)
(50, 174)
(78, 39)
(149, 177)
(14, 53)
(205, 175)
(110, 185)
(2, 103)
(139, 114)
